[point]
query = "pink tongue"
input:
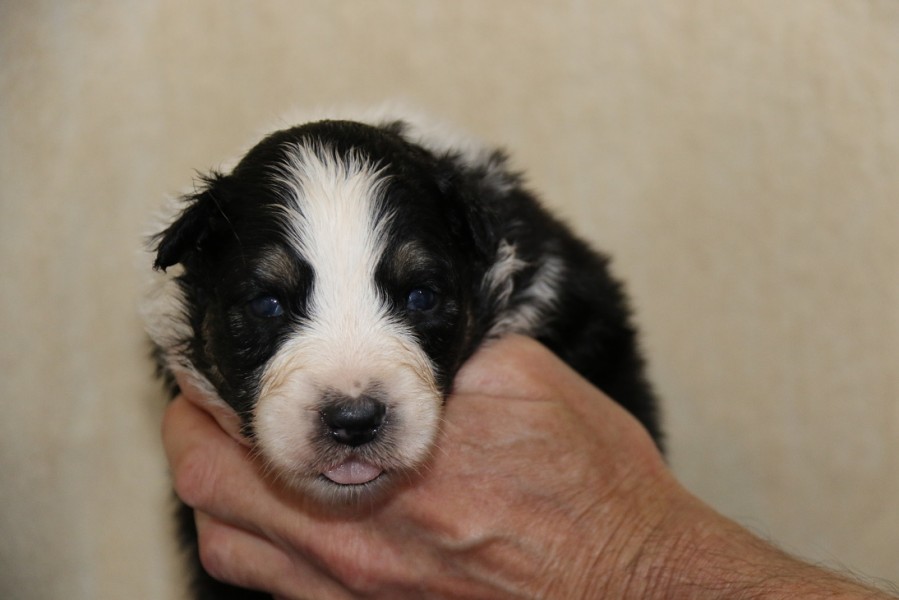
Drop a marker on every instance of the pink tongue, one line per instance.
(352, 472)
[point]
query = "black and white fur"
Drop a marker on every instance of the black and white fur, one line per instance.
(328, 287)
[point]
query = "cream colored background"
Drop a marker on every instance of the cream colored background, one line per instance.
(739, 159)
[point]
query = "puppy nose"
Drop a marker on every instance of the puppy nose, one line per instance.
(354, 421)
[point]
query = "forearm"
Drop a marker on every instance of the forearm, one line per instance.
(705, 556)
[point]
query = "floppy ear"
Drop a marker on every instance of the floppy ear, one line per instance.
(484, 188)
(193, 226)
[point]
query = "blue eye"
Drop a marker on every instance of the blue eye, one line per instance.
(421, 299)
(266, 307)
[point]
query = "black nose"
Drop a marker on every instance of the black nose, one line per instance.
(354, 421)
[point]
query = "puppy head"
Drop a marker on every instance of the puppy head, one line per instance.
(327, 292)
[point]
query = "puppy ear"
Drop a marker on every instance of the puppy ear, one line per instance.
(484, 186)
(194, 224)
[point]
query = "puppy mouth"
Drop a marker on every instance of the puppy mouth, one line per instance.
(353, 471)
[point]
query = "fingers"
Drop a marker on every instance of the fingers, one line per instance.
(215, 475)
(238, 509)
(212, 472)
(239, 558)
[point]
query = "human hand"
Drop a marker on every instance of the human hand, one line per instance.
(540, 486)
(534, 474)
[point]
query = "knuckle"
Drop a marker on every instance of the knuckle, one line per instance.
(193, 479)
(215, 550)
(357, 578)
(357, 573)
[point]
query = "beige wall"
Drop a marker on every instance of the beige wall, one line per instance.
(740, 159)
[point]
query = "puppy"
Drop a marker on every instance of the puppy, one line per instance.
(328, 287)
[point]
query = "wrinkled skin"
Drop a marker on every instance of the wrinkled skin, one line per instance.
(541, 487)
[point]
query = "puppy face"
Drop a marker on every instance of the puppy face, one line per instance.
(320, 295)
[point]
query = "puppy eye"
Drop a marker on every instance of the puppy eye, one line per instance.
(266, 307)
(421, 299)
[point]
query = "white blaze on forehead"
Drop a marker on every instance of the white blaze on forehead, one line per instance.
(348, 342)
(336, 227)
